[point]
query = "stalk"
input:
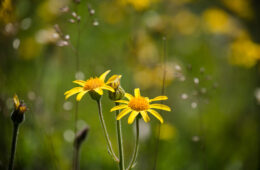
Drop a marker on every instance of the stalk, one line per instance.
(120, 142)
(13, 148)
(136, 145)
(103, 124)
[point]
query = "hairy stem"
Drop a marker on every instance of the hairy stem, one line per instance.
(103, 124)
(14, 141)
(136, 145)
(120, 142)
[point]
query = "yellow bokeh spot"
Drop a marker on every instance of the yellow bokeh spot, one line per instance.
(244, 52)
(217, 21)
(167, 132)
(240, 7)
(139, 5)
(185, 22)
(6, 11)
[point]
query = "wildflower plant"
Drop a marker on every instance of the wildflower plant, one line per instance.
(95, 87)
(17, 117)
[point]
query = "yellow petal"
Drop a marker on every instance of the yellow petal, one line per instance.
(80, 82)
(16, 101)
(81, 94)
(122, 101)
(158, 98)
(132, 116)
(106, 87)
(128, 96)
(103, 76)
(156, 114)
(114, 78)
(118, 107)
(123, 113)
(73, 91)
(160, 106)
(99, 91)
(145, 116)
(137, 92)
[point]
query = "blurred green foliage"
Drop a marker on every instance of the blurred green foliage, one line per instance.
(215, 121)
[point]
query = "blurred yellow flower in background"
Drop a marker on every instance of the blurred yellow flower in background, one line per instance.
(6, 11)
(244, 52)
(185, 22)
(96, 84)
(139, 5)
(240, 7)
(112, 12)
(50, 9)
(218, 21)
(139, 104)
(153, 77)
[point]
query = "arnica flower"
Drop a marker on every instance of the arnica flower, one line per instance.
(20, 107)
(96, 84)
(139, 104)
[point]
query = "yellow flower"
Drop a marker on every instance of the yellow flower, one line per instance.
(96, 84)
(139, 104)
(19, 106)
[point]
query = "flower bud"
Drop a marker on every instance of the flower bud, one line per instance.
(19, 110)
(118, 94)
(114, 82)
(81, 136)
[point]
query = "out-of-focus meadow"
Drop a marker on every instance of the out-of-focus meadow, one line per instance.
(212, 80)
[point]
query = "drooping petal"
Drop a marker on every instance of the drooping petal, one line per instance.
(99, 91)
(103, 76)
(137, 92)
(160, 106)
(118, 107)
(122, 101)
(158, 98)
(145, 116)
(81, 94)
(16, 101)
(123, 113)
(132, 116)
(73, 91)
(114, 78)
(128, 96)
(156, 114)
(80, 82)
(106, 87)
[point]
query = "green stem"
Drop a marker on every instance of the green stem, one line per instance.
(136, 145)
(120, 142)
(14, 141)
(76, 158)
(103, 124)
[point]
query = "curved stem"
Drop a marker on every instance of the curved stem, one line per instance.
(120, 142)
(14, 141)
(103, 124)
(136, 145)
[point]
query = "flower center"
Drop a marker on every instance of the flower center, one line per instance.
(139, 104)
(93, 83)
